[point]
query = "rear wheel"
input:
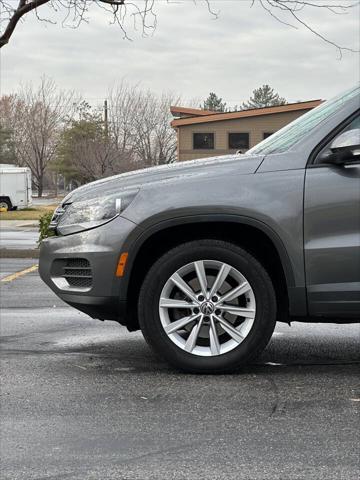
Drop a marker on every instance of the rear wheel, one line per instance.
(207, 306)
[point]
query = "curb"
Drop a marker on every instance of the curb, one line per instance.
(19, 253)
(28, 225)
(16, 225)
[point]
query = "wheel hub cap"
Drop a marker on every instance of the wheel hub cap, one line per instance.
(207, 308)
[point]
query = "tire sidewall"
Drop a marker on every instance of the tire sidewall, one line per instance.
(247, 265)
(8, 203)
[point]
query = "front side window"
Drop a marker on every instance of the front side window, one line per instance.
(238, 141)
(203, 141)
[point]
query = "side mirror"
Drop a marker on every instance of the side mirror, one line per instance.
(345, 148)
(347, 140)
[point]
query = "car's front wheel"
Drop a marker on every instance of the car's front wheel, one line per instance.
(207, 306)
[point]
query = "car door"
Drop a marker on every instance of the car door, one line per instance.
(332, 233)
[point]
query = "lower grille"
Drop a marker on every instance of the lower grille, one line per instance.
(77, 272)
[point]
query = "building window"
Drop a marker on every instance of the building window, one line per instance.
(267, 134)
(203, 141)
(238, 141)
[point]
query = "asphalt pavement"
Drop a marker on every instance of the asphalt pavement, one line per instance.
(18, 235)
(84, 399)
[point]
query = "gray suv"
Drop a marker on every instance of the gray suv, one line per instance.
(205, 256)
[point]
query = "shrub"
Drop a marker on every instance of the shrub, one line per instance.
(44, 222)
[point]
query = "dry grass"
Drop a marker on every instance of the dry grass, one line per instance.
(33, 213)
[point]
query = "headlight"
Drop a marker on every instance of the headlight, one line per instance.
(83, 215)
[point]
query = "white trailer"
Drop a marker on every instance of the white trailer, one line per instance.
(15, 187)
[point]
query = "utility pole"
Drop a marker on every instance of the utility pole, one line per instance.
(56, 183)
(106, 118)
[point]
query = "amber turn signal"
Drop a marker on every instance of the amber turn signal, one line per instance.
(121, 264)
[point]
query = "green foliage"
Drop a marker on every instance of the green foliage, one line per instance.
(264, 97)
(7, 147)
(44, 222)
(214, 103)
(77, 140)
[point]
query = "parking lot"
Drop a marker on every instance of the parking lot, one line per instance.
(82, 399)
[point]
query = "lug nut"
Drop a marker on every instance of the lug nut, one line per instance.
(201, 298)
(214, 299)
(218, 312)
(196, 310)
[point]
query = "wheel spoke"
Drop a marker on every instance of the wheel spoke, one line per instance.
(201, 275)
(214, 340)
(183, 286)
(230, 329)
(174, 326)
(189, 292)
(235, 292)
(174, 303)
(191, 341)
(240, 312)
(223, 273)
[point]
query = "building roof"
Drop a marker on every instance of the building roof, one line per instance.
(189, 112)
(217, 117)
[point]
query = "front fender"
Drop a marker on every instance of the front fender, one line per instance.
(179, 217)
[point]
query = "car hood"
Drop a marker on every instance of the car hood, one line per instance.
(176, 172)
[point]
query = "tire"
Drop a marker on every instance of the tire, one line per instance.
(5, 203)
(202, 341)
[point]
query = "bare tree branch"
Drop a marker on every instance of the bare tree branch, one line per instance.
(19, 12)
(144, 13)
(293, 7)
(36, 117)
(139, 123)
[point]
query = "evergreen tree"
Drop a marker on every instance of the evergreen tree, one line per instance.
(7, 147)
(264, 97)
(85, 152)
(214, 103)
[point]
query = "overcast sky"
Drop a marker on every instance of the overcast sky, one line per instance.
(190, 53)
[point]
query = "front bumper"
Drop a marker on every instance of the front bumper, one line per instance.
(102, 295)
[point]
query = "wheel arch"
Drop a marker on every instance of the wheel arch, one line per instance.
(243, 231)
(7, 199)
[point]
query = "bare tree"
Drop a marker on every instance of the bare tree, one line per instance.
(36, 117)
(139, 123)
(123, 101)
(165, 135)
(143, 13)
(154, 141)
(48, 134)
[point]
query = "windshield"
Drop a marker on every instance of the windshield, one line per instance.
(285, 138)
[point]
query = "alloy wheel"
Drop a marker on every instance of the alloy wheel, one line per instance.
(207, 308)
